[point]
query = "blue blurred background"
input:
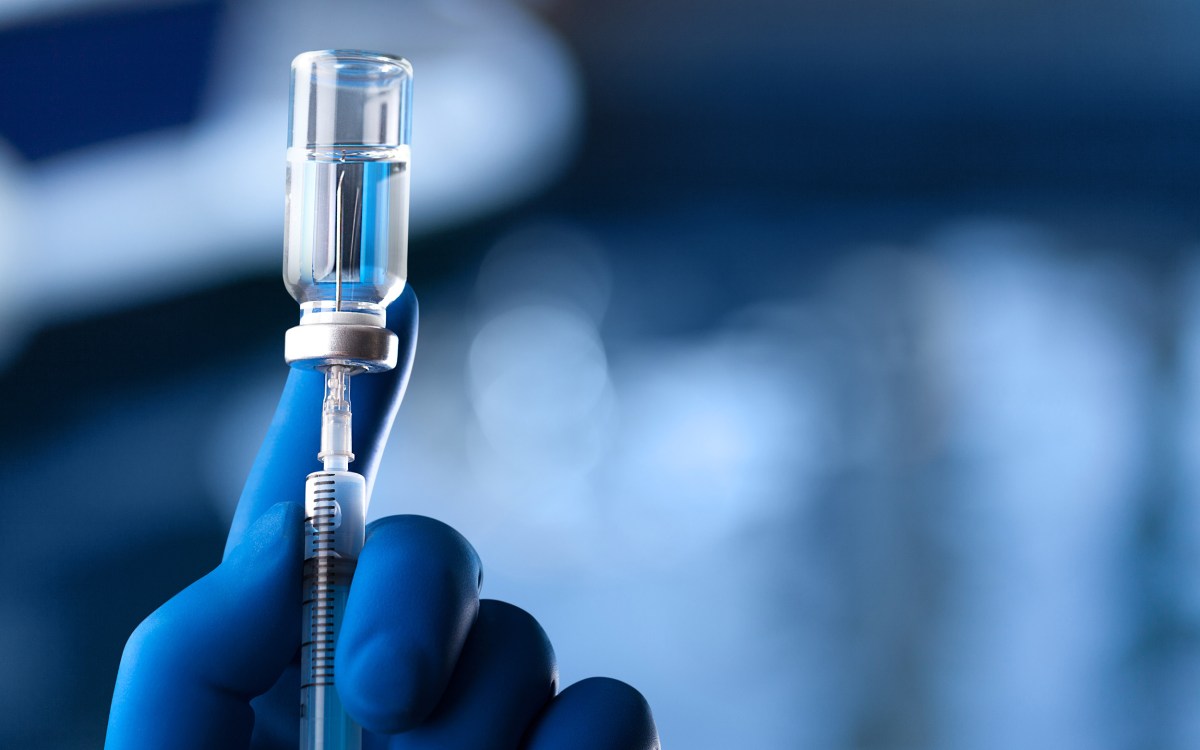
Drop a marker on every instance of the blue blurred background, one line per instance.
(828, 370)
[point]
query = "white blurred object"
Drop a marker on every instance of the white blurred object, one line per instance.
(538, 380)
(24, 11)
(12, 215)
(497, 106)
(1045, 390)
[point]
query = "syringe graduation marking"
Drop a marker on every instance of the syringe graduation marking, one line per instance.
(322, 569)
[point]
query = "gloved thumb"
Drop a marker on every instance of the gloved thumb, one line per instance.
(191, 668)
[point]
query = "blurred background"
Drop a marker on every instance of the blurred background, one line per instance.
(828, 370)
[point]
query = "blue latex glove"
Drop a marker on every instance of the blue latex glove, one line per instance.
(422, 662)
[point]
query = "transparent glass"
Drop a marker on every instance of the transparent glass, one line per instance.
(346, 221)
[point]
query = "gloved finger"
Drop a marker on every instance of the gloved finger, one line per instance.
(505, 676)
(595, 714)
(190, 669)
(277, 712)
(414, 599)
(289, 451)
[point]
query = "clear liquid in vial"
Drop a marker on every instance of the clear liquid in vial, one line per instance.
(346, 221)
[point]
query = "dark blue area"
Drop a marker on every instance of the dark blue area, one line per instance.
(75, 80)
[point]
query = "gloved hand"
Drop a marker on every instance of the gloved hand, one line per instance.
(422, 662)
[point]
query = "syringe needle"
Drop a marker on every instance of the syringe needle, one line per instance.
(336, 433)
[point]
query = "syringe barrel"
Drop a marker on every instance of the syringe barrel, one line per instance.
(335, 520)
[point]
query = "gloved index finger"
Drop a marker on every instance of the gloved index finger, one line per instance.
(289, 451)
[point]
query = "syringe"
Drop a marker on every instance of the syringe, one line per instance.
(345, 252)
(335, 512)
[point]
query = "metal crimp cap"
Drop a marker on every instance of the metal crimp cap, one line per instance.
(314, 345)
